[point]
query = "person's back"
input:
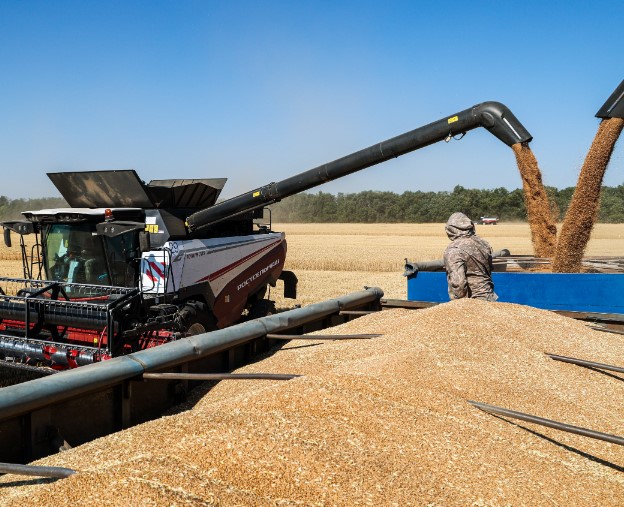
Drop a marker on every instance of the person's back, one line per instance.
(468, 261)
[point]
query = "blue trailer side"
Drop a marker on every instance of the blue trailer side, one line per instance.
(577, 292)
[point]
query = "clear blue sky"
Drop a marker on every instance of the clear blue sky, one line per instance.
(258, 91)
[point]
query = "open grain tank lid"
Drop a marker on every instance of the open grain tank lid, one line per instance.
(124, 189)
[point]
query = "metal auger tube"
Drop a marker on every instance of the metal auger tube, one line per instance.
(569, 428)
(36, 471)
(494, 116)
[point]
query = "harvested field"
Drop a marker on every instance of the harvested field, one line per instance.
(378, 422)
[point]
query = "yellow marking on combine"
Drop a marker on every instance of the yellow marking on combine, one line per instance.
(453, 119)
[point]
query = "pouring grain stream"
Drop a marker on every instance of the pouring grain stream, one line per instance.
(585, 204)
(539, 211)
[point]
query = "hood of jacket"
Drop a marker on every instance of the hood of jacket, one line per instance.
(459, 225)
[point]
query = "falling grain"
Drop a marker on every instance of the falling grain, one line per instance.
(585, 204)
(539, 210)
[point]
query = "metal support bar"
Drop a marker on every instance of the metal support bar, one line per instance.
(589, 364)
(357, 312)
(322, 336)
(37, 471)
(219, 376)
(605, 329)
(403, 303)
(548, 422)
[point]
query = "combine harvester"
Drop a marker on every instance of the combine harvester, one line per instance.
(130, 265)
(596, 294)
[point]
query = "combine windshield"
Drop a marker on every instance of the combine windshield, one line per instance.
(76, 254)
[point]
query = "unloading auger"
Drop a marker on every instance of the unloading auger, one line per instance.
(493, 116)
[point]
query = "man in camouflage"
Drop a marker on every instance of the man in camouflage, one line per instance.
(468, 261)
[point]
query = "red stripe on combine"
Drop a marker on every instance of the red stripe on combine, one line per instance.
(224, 270)
(155, 267)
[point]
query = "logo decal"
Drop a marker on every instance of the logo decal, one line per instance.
(258, 274)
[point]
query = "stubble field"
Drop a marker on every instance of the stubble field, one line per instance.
(334, 259)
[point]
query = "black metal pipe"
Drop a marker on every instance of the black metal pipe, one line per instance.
(358, 312)
(322, 336)
(614, 106)
(606, 330)
(494, 116)
(583, 362)
(219, 376)
(37, 471)
(614, 439)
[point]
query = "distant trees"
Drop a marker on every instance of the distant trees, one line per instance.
(11, 209)
(388, 207)
(422, 207)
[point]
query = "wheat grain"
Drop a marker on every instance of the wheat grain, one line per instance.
(539, 209)
(380, 422)
(585, 204)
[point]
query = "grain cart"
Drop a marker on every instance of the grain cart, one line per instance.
(132, 265)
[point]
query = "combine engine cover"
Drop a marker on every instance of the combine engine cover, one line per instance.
(227, 271)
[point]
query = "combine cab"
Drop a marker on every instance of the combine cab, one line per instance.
(132, 265)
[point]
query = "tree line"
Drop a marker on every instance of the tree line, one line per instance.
(389, 207)
(11, 209)
(432, 207)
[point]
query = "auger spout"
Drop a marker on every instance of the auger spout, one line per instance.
(614, 106)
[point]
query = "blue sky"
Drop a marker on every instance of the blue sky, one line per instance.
(259, 91)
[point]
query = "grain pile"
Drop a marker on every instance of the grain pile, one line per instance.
(585, 204)
(377, 422)
(539, 212)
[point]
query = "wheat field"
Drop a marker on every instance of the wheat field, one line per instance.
(331, 260)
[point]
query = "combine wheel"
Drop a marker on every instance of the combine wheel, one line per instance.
(262, 308)
(198, 317)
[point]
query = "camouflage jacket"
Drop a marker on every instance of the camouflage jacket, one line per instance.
(468, 263)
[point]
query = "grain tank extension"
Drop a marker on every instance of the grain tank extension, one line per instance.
(131, 265)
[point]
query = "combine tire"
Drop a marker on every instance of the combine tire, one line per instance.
(262, 308)
(199, 318)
